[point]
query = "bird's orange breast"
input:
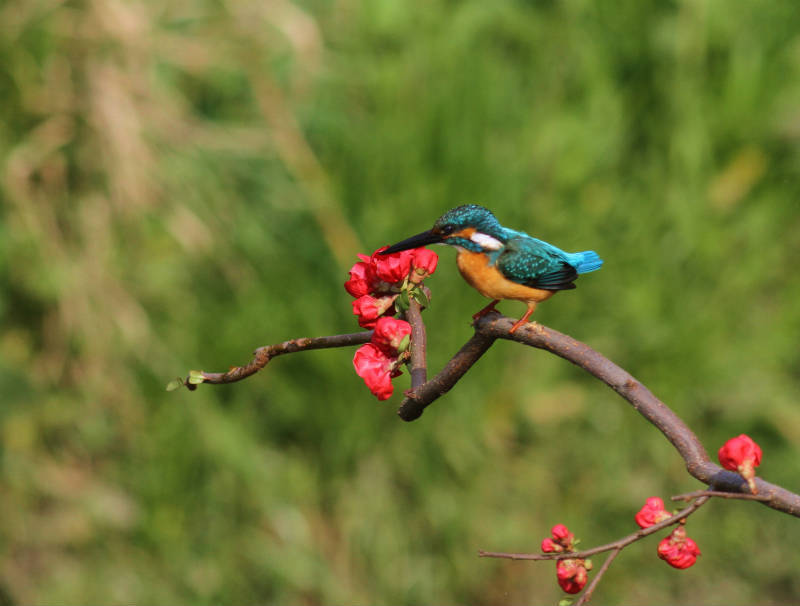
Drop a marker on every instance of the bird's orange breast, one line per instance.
(488, 280)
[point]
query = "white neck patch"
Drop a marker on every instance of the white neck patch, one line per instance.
(485, 241)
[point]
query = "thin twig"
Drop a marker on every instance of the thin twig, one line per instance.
(263, 355)
(417, 399)
(742, 496)
(587, 594)
(618, 544)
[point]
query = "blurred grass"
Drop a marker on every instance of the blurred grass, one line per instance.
(183, 182)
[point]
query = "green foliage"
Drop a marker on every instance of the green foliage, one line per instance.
(184, 182)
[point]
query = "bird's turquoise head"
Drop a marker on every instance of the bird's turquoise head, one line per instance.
(469, 226)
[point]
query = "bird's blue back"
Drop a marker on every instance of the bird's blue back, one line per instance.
(522, 258)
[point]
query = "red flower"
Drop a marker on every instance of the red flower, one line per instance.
(678, 550)
(423, 263)
(362, 279)
(392, 268)
(571, 574)
(653, 512)
(375, 367)
(561, 539)
(389, 335)
(369, 309)
(561, 533)
(549, 545)
(385, 274)
(741, 454)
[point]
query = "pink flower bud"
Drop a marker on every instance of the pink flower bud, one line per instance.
(678, 550)
(652, 513)
(389, 334)
(549, 545)
(375, 367)
(369, 309)
(743, 455)
(561, 539)
(571, 575)
(424, 261)
(560, 532)
(362, 278)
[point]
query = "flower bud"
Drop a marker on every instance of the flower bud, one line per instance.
(369, 309)
(561, 539)
(423, 263)
(390, 334)
(549, 545)
(743, 455)
(375, 367)
(571, 574)
(678, 550)
(652, 513)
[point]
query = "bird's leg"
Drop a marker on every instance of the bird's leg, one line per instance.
(524, 318)
(488, 309)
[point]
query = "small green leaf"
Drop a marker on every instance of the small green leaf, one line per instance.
(567, 601)
(196, 377)
(403, 346)
(401, 302)
(421, 297)
(174, 384)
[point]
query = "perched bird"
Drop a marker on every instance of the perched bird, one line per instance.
(501, 263)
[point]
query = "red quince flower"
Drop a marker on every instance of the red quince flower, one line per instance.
(678, 550)
(561, 539)
(571, 574)
(362, 279)
(561, 533)
(376, 368)
(549, 545)
(743, 455)
(369, 309)
(423, 263)
(389, 335)
(392, 268)
(652, 513)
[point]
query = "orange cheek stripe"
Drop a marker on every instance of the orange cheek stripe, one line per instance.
(464, 233)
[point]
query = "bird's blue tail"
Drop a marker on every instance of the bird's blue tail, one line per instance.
(586, 261)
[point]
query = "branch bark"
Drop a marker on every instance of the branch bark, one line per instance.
(698, 464)
(263, 355)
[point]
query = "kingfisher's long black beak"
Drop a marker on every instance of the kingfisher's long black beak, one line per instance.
(426, 237)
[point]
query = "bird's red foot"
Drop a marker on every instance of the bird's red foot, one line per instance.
(519, 323)
(486, 310)
(523, 319)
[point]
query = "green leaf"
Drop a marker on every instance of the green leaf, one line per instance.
(567, 601)
(196, 377)
(174, 384)
(421, 297)
(402, 302)
(403, 346)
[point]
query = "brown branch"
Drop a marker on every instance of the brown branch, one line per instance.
(618, 544)
(496, 326)
(418, 365)
(263, 355)
(417, 399)
(721, 495)
(587, 594)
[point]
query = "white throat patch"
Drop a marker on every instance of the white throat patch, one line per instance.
(486, 242)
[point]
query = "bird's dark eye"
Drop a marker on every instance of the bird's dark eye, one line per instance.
(448, 229)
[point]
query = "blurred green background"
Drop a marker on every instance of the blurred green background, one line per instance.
(185, 181)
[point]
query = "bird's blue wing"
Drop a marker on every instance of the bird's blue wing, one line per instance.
(534, 263)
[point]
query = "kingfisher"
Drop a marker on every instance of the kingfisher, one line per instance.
(501, 263)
